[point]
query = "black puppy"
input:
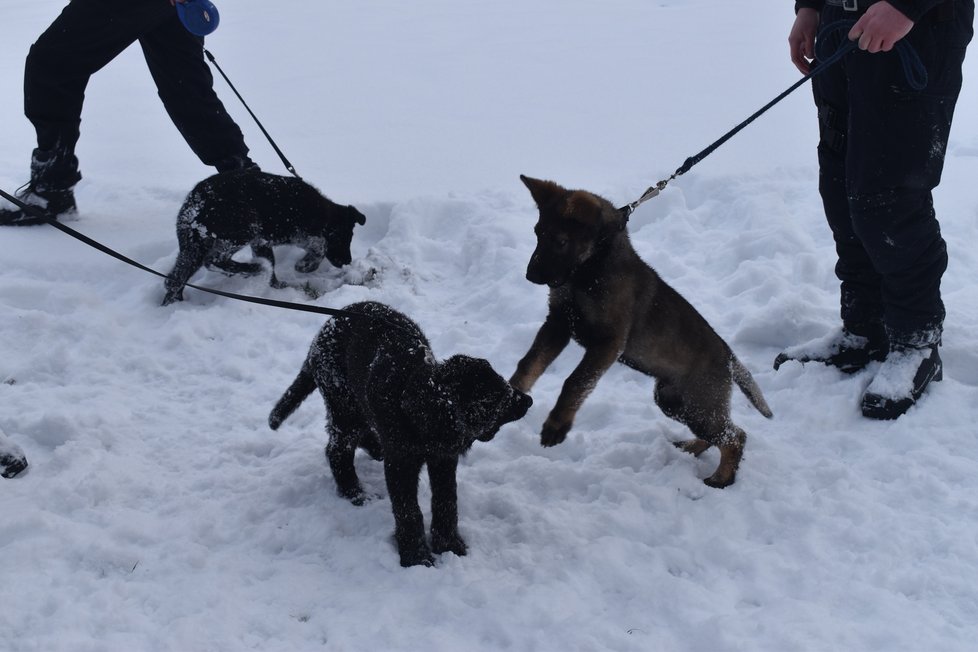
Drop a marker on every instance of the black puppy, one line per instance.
(386, 393)
(228, 211)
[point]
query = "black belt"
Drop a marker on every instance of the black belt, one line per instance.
(945, 10)
(851, 5)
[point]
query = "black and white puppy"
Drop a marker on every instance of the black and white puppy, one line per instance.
(386, 393)
(232, 210)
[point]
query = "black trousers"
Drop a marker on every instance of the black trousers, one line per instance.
(881, 153)
(90, 33)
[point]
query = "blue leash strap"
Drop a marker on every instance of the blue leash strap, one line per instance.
(285, 161)
(913, 68)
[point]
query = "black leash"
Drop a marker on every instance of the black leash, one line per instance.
(912, 66)
(285, 161)
(39, 214)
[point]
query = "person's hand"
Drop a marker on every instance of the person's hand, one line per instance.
(801, 40)
(880, 28)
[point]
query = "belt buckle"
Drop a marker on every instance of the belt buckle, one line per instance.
(850, 5)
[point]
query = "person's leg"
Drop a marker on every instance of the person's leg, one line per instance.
(862, 337)
(186, 86)
(84, 38)
(860, 295)
(897, 141)
(898, 138)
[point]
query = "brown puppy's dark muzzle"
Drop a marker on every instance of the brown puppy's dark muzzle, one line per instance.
(535, 271)
(547, 269)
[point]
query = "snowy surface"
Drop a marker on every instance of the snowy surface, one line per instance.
(160, 513)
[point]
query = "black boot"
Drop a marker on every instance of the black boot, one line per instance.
(48, 193)
(12, 459)
(901, 380)
(849, 349)
(46, 205)
(236, 162)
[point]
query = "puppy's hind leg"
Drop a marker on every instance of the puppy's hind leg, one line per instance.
(340, 451)
(264, 250)
(346, 429)
(371, 443)
(711, 425)
(670, 401)
(731, 447)
(189, 260)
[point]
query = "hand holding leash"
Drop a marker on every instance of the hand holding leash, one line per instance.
(880, 28)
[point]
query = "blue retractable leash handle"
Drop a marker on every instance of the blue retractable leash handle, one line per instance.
(200, 17)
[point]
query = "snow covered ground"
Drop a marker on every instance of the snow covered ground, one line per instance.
(160, 512)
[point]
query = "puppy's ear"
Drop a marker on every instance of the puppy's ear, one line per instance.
(356, 215)
(427, 404)
(543, 191)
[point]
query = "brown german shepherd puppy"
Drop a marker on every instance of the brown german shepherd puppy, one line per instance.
(615, 306)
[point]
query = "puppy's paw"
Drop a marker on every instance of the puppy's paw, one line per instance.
(448, 542)
(553, 432)
(172, 297)
(726, 472)
(363, 498)
(356, 495)
(416, 556)
(694, 447)
(230, 267)
(720, 480)
(308, 264)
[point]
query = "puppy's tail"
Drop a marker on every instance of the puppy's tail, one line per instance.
(749, 386)
(301, 387)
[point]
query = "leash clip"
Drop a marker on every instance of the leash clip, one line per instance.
(850, 5)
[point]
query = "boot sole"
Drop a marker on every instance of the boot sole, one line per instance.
(27, 221)
(887, 409)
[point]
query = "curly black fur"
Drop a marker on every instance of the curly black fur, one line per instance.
(385, 392)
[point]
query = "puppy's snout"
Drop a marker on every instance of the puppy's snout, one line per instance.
(534, 270)
(513, 409)
(519, 404)
(339, 258)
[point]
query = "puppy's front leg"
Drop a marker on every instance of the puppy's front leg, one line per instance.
(597, 359)
(315, 252)
(550, 340)
(401, 473)
(264, 250)
(444, 506)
